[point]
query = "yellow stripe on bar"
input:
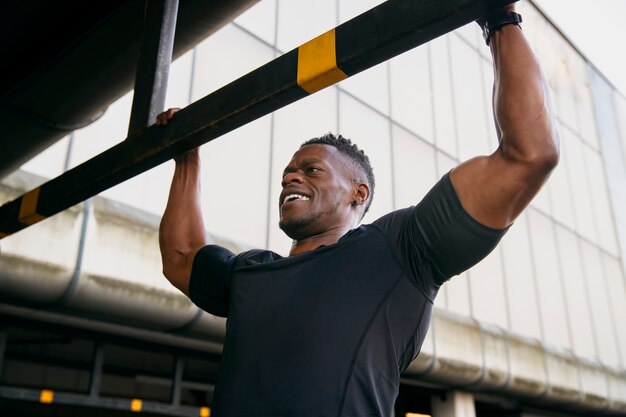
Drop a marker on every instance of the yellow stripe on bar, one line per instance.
(317, 63)
(28, 209)
(135, 405)
(46, 396)
(205, 412)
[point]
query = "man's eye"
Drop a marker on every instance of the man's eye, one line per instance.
(312, 170)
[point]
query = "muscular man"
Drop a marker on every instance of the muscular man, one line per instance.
(327, 330)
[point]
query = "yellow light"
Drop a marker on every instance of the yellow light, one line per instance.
(416, 415)
(205, 411)
(135, 405)
(46, 396)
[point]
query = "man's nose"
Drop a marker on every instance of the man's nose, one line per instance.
(291, 177)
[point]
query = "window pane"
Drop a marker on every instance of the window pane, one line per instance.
(350, 8)
(445, 130)
(179, 82)
(577, 171)
(600, 200)
(597, 290)
(414, 167)
(520, 279)
(617, 293)
(225, 56)
(487, 288)
(545, 256)
(565, 86)
(260, 19)
(371, 86)
(586, 115)
(411, 100)
(620, 114)
(576, 294)
(301, 21)
(468, 100)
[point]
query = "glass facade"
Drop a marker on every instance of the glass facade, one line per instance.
(558, 275)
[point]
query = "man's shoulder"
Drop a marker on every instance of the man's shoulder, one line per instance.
(257, 257)
(392, 219)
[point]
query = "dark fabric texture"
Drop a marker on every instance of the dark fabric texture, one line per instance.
(328, 332)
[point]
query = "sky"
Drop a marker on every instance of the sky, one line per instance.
(598, 29)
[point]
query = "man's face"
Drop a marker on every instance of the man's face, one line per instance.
(317, 192)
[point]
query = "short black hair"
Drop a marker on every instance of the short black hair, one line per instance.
(356, 155)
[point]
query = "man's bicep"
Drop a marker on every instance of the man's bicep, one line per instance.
(495, 190)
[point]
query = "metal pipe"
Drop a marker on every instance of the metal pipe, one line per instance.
(99, 327)
(177, 379)
(96, 370)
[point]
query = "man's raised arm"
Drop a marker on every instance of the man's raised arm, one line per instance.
(495, 189)
(182, 232)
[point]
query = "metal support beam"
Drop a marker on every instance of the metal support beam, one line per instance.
(3, 347)
(136, 405)
(177, 380)
(155, 56)
(373, 37)
(96, 370)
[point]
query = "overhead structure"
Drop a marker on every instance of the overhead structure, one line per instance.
(65, 62)
(375, 36)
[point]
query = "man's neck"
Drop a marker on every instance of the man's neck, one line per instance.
(310, 243)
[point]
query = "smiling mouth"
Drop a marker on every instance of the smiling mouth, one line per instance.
(294, 197)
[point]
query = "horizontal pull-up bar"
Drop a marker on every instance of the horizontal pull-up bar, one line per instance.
(367, 40)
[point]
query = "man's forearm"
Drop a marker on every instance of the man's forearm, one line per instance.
(182, 231)
(521, 100)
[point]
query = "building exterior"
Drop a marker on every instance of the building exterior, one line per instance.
(535, 329)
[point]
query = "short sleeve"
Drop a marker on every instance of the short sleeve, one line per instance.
(210, 278)
(438, 238)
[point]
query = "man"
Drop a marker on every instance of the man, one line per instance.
(327, 330)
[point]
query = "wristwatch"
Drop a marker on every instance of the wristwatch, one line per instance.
(495, 22)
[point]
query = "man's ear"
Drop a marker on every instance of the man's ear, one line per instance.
(361, 193)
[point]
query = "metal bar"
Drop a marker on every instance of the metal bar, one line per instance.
(3, 347)
(377, 35)
(96, 370)
(155, 56)
(177, 380)
(51, 397)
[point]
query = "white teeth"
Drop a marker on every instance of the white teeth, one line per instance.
(292, 197)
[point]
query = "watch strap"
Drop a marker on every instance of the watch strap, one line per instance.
(495, 22)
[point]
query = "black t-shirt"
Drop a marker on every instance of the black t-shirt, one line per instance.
(328, 332)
